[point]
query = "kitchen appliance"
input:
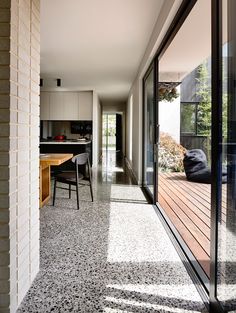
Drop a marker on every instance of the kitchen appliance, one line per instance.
(82, 127)
(60, 137)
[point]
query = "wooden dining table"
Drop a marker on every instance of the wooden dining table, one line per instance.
(46, 161)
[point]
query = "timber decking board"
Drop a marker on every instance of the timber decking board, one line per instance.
(197, 250)
(201, 192)
(204, 212)
(186, 220)
(205, 189)
(188, 206)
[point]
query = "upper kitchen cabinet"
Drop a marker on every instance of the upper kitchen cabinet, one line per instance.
(85, 105)
(69, 106)
(45, 105)
(57, 105)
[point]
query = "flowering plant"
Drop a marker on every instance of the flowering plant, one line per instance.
(170, 154)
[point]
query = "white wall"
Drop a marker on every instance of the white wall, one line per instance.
(164, 20)
(129, 129)
(114, 107)
(97, 125)
(19, 149)
(134, 131)
(169, 118)
(99, 130)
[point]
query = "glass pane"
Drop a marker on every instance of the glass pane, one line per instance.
(184, 154)
(226, 265)
(109, 131)
(188, 118)
(148, 132)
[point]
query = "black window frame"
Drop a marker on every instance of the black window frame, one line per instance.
(216, 79)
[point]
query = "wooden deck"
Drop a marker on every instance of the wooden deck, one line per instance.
(187, 205)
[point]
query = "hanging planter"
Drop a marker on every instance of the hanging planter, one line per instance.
(168, 91)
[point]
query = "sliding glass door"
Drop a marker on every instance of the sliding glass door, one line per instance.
(189, 110)
(224, 275)
(184, 149)
(149, 161)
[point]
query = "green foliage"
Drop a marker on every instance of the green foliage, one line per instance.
(225, 99)
(204, 107)
(170, 154)
(109, 125)
(224, 114)
(169, 95)
(188, 118)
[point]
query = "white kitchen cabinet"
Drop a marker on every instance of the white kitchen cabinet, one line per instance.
(56, 106)
(71, 106)
(66, 106)
(85, 105)
(45, 106)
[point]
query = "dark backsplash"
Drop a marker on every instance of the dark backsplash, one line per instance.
(55, 128)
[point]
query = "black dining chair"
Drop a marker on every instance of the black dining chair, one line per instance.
(75, 178)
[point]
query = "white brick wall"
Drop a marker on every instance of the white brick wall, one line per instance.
(19, 149)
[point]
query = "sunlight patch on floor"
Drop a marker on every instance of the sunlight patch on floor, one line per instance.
(117, 169)
(126, 192)
(182, 292)
(147, 305)
(136, 235)
(110, 310)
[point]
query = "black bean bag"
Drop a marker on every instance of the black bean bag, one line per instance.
(196, 169)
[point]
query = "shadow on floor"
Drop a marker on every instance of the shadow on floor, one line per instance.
(108, 257)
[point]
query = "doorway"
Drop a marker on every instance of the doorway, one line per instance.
(192, 101)
(177, 118)
(112, 132)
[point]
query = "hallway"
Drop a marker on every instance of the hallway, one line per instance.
(112, 255)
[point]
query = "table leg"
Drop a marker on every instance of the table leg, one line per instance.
(45, 184)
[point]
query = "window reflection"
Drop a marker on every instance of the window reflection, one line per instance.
(226, 266)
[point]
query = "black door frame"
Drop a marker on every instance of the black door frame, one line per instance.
(119, 133)
(216, 147)
(152, 198)
(183, 12)
(216, 187)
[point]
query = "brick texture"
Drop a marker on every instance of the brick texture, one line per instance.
(19, 149)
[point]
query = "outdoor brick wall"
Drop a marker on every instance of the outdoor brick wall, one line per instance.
(19, 149)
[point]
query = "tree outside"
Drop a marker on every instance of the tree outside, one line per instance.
(109, 130)
(204, 107)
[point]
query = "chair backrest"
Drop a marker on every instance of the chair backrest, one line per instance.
(80, 159)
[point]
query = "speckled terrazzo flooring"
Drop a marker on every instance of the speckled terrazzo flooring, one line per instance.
(110, 256)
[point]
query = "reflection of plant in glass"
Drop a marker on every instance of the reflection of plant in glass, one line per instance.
(204, 107)
(225, 98)
(170, 154)
(188, 118)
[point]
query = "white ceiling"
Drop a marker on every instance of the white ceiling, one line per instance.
(95, 44)
(191, 45)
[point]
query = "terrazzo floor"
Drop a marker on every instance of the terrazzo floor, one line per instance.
(113, 255)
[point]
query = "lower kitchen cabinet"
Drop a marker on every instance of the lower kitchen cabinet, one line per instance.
(67, 148)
